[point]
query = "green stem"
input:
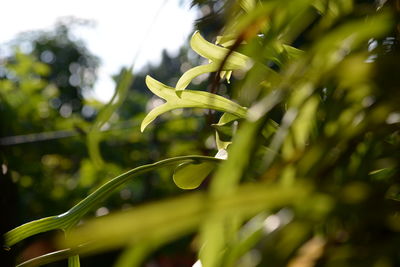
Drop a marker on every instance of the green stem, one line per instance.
(73, 261)
(68, 219)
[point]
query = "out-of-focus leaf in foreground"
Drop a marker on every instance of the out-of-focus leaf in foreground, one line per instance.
(169, 219)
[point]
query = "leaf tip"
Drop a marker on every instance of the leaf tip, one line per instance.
(148, 80)
(144, 124)
(146, 121)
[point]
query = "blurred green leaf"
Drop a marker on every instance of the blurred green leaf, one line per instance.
(169, 219)
(94, 137)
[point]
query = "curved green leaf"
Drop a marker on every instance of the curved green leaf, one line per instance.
(224, 130)
(170, 219)
(226, 40)
(220, 143)
(134, 255)
(188, 99)
(69, 219)
(247, 5)
(190, 176)
(189, 75)
(225, 119)
(93, 137)
(73, 261)
(216, 55)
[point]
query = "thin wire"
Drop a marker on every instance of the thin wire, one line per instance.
(53, 135)
(148, 31)
(36, 137)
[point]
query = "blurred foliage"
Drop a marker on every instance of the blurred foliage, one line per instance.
(72, 67)
(57, 169)
(306, 174)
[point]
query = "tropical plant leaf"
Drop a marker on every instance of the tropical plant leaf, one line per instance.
(226, 40)
(192, 73)
(187, 99)
(225, 119)
(216, 55)
(220, 143)
(191, 175)
(185, 214)
(67, 220)
(93, 137)
(225, 183)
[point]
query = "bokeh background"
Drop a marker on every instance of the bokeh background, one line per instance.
(66, 127)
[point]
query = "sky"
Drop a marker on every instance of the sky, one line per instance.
(122, 29)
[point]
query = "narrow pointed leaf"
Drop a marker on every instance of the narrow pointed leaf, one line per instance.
(217, 53)
(189, 75)
(226, 40)
(188, 99)
(69, 219)
(153, 114)
(225, 119)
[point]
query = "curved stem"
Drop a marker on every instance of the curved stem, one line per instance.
(68, 219)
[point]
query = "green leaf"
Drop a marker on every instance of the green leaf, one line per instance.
(93, 137)
(170, 219)
(225, 132)
(216, 54)
(225, 129)
(220, 143)
(192, 73)
(292, 52)
(190, 176)
(303, 124)
(73, 261)
(134, 255)
(67, 220)
(247, 5)
(269, 129)
(187, 99)
(225, 119)
(249, 235)
(226, 40)
(224, 183)
(227, 75)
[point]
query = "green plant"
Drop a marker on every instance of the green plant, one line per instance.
(313, 148)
